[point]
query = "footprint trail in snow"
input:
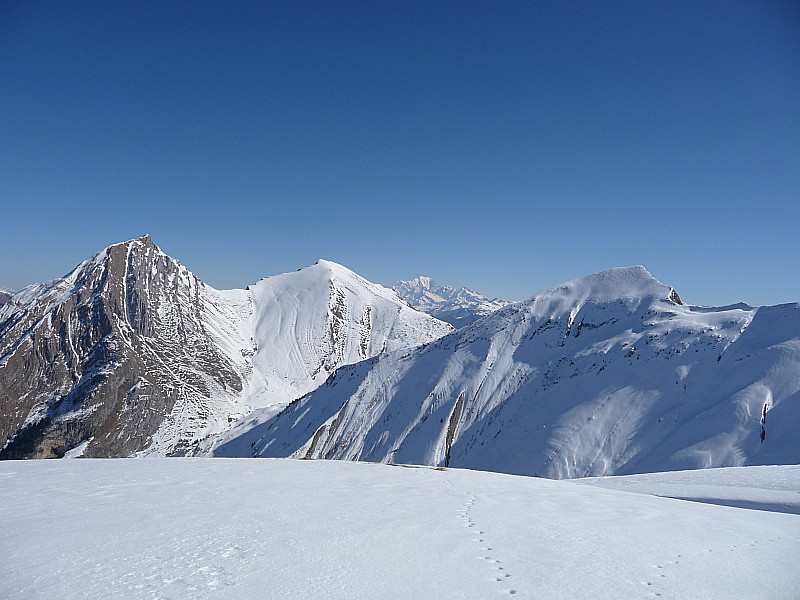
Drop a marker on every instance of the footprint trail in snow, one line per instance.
(487, 554)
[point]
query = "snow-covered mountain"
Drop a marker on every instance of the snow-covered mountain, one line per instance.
(5, 295)
(457, 306)
(131, 353)
(608, 374)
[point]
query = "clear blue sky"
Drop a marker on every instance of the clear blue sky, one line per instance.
(504, 146)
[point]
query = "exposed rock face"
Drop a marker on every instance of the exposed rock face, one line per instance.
(135, 355)
(106, 353)
(5, 296)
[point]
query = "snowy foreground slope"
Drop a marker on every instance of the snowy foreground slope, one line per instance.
(283, 529)
(607, 374)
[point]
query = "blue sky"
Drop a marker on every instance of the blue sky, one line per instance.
(504, 146)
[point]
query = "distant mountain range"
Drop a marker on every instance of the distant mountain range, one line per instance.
(457, 306)
(132, 355)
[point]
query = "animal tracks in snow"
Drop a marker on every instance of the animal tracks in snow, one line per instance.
(486, 554)
(656, 582)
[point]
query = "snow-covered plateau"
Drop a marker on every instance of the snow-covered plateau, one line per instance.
(285, 529)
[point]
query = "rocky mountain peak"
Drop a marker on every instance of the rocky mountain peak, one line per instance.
(105, 353)
(130, 352)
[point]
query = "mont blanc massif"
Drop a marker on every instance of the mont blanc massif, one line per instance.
(131, 354)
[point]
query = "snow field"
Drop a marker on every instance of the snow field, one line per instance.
(201, 528)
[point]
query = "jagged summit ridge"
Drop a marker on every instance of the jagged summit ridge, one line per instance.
(131, 353)
(457, 306)
(106, 354)
(424, 282)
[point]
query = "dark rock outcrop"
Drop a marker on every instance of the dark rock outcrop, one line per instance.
(121, 335)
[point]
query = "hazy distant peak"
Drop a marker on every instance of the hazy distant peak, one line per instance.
(457, 306)
(423, 282)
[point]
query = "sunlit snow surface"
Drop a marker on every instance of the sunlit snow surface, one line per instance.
(283, 529)
(603, 375)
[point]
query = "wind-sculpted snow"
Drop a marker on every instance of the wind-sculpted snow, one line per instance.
(313, 321)
(772, 489)
(131, 353)
(609, 374)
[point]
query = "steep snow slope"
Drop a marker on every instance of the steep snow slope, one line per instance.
(313, 321)
(307, 324)
(132, 353)
(190, 528)
(608, 374)
(457, 306)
